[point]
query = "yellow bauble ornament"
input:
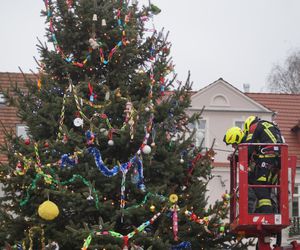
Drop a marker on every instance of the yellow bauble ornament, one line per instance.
(48, 210)
(173, 198)
(152, 208)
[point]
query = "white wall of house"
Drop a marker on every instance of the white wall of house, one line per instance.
(225, 106)
(219, 184)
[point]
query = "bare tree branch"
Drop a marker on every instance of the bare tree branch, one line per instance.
(286, 78)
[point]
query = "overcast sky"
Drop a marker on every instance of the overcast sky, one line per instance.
(238, 40)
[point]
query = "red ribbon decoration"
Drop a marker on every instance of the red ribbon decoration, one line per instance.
(125, 242)
(91, 95)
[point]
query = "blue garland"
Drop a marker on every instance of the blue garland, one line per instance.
(182, 245)
(67, 160)
(100, 164)
(123, 167)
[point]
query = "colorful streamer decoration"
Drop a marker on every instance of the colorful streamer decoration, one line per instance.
(127, 237)
(62, 118)
(147, 196)
(87, 242)
(74, 178)
(175, 223)
(203, 221)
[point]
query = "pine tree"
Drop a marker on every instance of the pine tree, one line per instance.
(104, 108)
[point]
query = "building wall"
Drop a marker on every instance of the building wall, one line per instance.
(8, 115)
(217, 124)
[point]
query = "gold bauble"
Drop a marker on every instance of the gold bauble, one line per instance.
(48, 210)
(152, 208)
(173, 198)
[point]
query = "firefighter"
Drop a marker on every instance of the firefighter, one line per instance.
(265, 158)
(234, 136)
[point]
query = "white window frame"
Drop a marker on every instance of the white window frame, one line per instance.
(20, 128)
(239, 120)
(197, 123)
(295, 197)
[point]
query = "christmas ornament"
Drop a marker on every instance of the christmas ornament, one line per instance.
(20, 169)
(90, 199)
(27, 141)
(152, 208)
(181, 160)
(65, 139)
(39, 84)
(52, 246)
(90, 137)
(93, 43)
(111, 143)
(103, 22)
(153, 144)
(48, 179)
(173, 198)
(118, 94)
(78, 122)
(95, 18)
(146, 149)
(48, 210)
(226, 197)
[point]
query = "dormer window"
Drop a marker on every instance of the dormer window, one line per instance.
(2, 98)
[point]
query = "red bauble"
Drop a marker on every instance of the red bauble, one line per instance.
(27, 141)
(46, 145)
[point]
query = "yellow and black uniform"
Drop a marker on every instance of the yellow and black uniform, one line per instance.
(266, 160)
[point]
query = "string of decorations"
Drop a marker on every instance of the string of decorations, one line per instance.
(125, 238)
(51, 180)
(129, 118)
(144, 201)
(173, 199)
(94, 44)
(31, 235)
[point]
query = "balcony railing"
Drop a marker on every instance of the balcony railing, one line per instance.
(295, 227)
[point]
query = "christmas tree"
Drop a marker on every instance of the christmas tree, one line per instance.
(109, 162)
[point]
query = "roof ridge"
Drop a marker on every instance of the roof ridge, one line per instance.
(269, 93)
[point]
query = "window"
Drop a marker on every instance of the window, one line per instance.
(296, 200)
(2, 98)
(22, 131)
(239, 124)
(200, 134)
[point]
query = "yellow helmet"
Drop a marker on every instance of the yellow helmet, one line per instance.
(233, 135)
(248, 123)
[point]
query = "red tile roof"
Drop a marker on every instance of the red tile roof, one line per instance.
(8, 115)
(288, 108)
(221, 164)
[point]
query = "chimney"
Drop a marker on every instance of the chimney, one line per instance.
(246, 87)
